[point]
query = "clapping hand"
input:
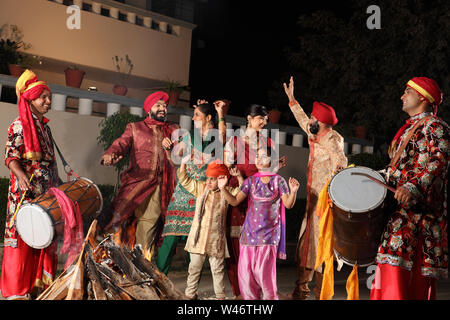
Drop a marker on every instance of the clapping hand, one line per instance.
(234, 171)
(282, 162)
(187, 158)
(222, 181)
(293, 184)
(167, 143)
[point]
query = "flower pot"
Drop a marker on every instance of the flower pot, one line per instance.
(120, 90)
(274, 116)
(15, 70)
(173, 98)
(74, 77)
(360, 132)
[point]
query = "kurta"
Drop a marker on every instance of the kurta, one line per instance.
(263, 222)
(422, 225)
(211, 240)
(22, 271)
(326, 154)
(148, 168)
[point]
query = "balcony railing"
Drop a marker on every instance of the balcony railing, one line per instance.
(287, 135)
(130, 14)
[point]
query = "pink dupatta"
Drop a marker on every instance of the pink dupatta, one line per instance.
(73, 225)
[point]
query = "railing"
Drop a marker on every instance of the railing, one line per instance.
(130, 14)
(287, 135)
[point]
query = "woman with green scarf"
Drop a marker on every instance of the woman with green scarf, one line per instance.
(181, 209)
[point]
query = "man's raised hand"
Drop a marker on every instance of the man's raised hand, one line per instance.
(289, 90)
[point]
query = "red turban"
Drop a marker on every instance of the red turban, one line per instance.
(29, 88)
(216, 169)
(427, 88)
(154, 98)
(324, 113)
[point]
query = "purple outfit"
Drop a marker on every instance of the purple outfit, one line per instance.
(263, 236)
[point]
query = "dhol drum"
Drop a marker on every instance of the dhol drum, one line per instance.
(40, 220)
(358, 216)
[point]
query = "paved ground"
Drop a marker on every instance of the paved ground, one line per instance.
(286, 277)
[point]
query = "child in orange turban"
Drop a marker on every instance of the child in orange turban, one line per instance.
(207, 234)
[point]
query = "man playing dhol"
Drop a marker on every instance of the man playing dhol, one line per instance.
(414, 248)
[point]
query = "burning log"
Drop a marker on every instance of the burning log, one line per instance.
(106, 271)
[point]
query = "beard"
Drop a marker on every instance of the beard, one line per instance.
(314, 127)
(157, 117)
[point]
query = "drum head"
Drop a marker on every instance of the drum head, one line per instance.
(35, 226)
(355, 193)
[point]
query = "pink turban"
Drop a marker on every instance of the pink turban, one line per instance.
(154, 98)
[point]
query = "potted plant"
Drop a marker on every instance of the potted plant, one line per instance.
(74, 76)
(174, 89)
(11, 59)
(274, 115)
(124, 68)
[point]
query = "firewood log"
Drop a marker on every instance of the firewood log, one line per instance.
(59, 288)
(94, 277)
(161, 280)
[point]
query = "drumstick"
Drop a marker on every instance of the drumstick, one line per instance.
(20, 203)
(374, 180)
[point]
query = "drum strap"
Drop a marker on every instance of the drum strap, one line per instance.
(405, 142)
(67, 167)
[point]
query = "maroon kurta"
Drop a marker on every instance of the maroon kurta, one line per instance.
(148, 167)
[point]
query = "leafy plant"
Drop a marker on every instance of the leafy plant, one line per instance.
(112, 128)
(123, 66)
(10, 44)
(73, 67)
(174, 86)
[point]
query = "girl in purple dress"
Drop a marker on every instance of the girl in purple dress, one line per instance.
(263, 236)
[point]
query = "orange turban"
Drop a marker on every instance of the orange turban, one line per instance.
(154, 98)
(427, 88)
(29, 88)
(216, 169)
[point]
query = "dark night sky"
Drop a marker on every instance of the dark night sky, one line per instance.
(243, 47)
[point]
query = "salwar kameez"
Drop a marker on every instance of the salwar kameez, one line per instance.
(263, 238)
